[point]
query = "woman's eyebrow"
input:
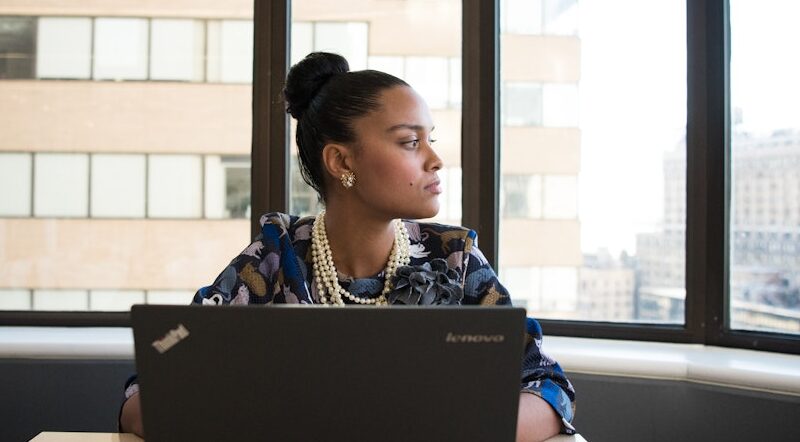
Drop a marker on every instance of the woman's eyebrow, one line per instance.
(414, 127)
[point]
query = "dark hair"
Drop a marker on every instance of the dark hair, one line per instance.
(325, 97)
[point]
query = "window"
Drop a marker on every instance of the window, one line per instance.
(118, 186)
(521, 16)
(61, 185)
(347, 39)
(120, 48)
(230, 51)
(587, 156)
(176, 50)
(227, 187)
(521, 196)
(594, 259)
(765, 147)
(64, 48)
(60, 300)
(427, 75)
(114, 300)
(174, 184)
(15, 173)
(17, 47)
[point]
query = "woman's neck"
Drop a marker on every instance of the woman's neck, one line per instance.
(360, 243)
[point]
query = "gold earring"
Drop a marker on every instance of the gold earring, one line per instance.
(348, 179)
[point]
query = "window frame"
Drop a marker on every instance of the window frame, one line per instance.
(707, 317)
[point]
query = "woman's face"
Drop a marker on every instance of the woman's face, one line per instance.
(394, 162)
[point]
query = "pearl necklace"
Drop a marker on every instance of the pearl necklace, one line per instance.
(325, 272)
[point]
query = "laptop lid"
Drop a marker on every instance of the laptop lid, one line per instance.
(300, 373)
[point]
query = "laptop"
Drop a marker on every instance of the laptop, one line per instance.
(303, 373)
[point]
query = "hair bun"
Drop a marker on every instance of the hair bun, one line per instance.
(306, 78)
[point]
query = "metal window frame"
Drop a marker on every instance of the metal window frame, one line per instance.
(707, 319)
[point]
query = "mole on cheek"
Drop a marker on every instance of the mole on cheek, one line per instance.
(410, 184)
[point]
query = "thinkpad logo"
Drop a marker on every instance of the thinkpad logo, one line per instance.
(172, 338)
(474, 339)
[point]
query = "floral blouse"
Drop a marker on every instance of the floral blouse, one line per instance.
(276, 268)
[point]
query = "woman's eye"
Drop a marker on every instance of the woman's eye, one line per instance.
(412, 143)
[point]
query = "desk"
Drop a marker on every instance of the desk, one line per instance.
(127, 437)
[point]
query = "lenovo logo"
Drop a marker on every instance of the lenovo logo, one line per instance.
(171, 339)
(474, 339)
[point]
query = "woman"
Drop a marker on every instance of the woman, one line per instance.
(365, 146)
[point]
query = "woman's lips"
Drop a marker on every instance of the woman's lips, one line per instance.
(434, 187)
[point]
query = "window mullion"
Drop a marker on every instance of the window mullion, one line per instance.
(480, 124)
(270, 145)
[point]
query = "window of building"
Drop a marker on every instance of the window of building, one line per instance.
(560, 197)
(177, 49)
(391, 64)
(64, 48)
(521, 196)
(522, 104)
(560, 105)
(230, 51)
(118, 185)
(15, 299)
(174, 186)
(349, 39)
(227, 187)
(114, 300)
(521, 16)
(60, 300)
(17, 47)
(61, 185)
(561, 17)
(429, 76)
(15, 173)
(120, 48)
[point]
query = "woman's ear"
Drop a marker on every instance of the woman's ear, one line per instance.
(337, 160)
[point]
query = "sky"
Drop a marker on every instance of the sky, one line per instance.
(633, 101)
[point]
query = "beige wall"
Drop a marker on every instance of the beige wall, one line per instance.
(533, 243)
(117, 254)
(129, 8)
(541, 150)
(547, 58)
(397, 27)
(142, 117)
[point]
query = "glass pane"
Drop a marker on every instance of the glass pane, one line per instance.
(174, 186)
(17, 47)
(177, 50)
(123, 191)
(765, 185)
(428, 57)
(593, 158)
(64, 48)
(15, 173)
(120, 48)
(230, 51)
(118, 185)
(61, 185)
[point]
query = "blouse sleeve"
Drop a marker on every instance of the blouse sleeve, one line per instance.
(541, 375)
(254, 276)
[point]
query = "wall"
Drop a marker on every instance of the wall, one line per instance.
(84, 395)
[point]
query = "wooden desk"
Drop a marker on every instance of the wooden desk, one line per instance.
(128, 437)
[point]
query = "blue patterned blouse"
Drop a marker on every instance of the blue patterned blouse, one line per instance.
(276, 268)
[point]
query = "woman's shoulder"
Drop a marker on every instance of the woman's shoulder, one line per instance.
(283, 222)
(441, 239)
(438, 227)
